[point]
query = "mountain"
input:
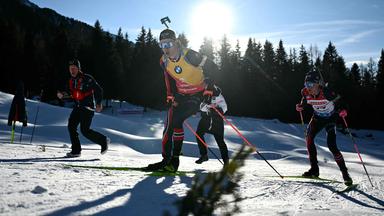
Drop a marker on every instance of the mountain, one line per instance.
(37, 43)
(32, 17)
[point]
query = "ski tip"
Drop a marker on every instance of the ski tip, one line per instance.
(348, 188)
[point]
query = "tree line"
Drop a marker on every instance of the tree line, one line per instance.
(264, 82)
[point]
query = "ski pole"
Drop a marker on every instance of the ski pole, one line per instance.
(357, 150)
(37, 113)
(34, 123)
(302, 123)
(201, 140)
(21, 134)
(245, 140)
(13, 131)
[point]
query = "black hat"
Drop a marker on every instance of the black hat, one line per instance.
(312, 77)
(75, 62)
(167, 34)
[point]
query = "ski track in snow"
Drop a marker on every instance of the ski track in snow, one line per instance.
(36, 182)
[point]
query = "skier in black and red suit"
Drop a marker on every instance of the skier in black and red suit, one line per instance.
(85, 91)
(327, 107)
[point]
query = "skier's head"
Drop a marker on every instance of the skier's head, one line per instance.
(312, 77)
(167, 34)
(312, 82)
(168, 43)
(74, 67)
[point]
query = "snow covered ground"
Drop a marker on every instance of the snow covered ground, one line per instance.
(36, 181)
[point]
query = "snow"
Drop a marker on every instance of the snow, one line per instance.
(36, 181)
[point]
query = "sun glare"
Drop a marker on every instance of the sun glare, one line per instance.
(211, 19)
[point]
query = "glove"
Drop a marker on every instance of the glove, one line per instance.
(170, 99)
(207, 96)
(204, 107)
(299, 107)
(60, 95)
(208, 93)
(343, 113)
(99, 108)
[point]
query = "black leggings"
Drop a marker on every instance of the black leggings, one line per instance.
(314, 127)
(215, 126)
(173, 134)
(82, 116)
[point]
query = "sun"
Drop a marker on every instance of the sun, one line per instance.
(211, 19)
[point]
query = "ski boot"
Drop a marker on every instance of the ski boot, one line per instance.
(347, 179)
(104, 146)
(156, 166)
(202, 159)
(226, 161)
(173, 165)
(313, 172)
(72, 155)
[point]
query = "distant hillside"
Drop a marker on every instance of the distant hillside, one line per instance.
(31, 16)
(37, 43)
(32, 37)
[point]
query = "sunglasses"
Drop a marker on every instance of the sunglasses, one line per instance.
(309, 84)
(166, 45)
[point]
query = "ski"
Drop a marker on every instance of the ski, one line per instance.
(347, 188)
(140, 169)
(312, 178)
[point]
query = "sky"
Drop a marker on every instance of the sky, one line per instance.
(355, 27)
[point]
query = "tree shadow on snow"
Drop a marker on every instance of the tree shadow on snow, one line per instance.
(147, 197)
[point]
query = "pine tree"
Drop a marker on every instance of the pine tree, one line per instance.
(304, 61)
(269, 87)
(229, 79)
(380, 76)
(334, 70)
(207, 191)
(93, 61)
(281, 63)
(367, 77)
(250, 75)
(256, 79)
(138, 60)
(329, 59)
(367, 98)
(355, 74)
(223, 53)
(183, 40)
(380, 88)
(153, 82)
(269, 61)
(313, 54)
(237, 83)
(283, 81)
(59, 60)
(371, 69)
(207, 49)
(224, 67)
